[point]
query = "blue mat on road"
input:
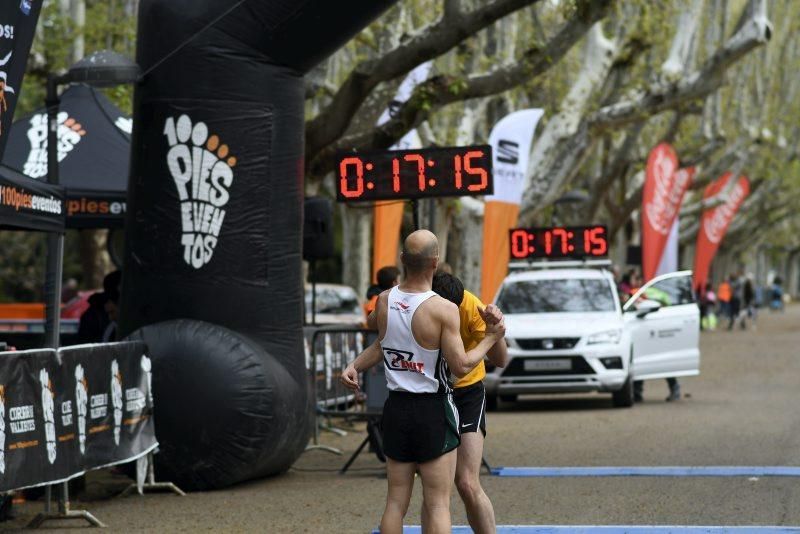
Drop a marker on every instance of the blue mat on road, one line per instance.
(665, 471)
(621, 529)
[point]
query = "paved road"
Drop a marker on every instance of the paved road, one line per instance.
(742, 411)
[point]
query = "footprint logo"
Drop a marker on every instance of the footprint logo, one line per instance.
(2, 429)
(116, 398)
(147, 367)
(48, 407)
(70, 133)
(202, 169)
(81, 399)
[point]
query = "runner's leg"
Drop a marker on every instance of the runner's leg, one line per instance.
(480, 512)
(401, 481)
(437, 481)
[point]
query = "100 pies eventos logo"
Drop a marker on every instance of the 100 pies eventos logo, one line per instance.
(202, 169)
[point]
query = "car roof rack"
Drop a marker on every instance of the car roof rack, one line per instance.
(558, 264)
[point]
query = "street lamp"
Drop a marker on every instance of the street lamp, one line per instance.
(570, 197)
(100, 69)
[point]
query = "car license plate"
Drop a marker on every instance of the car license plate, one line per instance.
(561, 364)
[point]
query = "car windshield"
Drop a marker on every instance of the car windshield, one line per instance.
(334, 300)
(557, 296)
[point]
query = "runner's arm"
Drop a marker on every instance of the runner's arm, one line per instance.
(367, 359)
(461, 362)
(498, 354)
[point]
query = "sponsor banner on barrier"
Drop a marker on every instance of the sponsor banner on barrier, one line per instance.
(17, 27)
(328, 351)
(63, 413)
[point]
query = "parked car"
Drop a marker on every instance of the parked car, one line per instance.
(335, 304)
(567, 332)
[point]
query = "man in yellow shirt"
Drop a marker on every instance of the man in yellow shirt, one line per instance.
(469, 396)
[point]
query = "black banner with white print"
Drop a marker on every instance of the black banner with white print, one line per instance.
(65, 412)
(17, 27)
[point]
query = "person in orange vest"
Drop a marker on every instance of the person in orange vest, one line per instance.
(724, 294)
(387, 277)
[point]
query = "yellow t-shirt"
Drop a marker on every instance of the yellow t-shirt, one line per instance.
(472, 331)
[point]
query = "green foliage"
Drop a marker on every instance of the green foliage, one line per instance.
(22, 264)
(107, 27)
(22, 260)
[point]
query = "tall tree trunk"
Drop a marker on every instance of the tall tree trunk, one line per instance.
(357, 237)
(465, 244)
(95, 262)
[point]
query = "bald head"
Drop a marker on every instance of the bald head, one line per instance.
(420, 252)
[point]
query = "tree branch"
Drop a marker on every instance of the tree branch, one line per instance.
(442, 90)
(429, 43)
(753, 30)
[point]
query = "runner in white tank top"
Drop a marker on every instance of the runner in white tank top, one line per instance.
(419, 420)
(410, 367)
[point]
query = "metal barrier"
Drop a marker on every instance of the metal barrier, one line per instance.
(328, 351)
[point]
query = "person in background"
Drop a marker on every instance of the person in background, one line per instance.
(776, 295)
(737, 292)
(112, 310)
(708, 301)
(69, 291)
(724, 298)
(663, 298)
(387, 277)
(748, 301)
(625, 285)
(95, 323)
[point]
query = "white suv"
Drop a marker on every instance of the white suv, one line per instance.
(567, 332)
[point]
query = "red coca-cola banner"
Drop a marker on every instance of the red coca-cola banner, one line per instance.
(715, 222)
(664, 188)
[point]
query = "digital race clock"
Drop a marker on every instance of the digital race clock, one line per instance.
(401, 174)
(559, 242)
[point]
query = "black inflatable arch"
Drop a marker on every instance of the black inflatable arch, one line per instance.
(212, 274)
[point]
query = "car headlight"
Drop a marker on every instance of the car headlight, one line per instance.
(607, 336)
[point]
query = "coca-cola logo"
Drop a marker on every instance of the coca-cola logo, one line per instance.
(716, 222)
(667, 194)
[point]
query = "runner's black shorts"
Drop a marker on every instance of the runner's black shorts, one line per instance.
(471, 404)
(419, 427)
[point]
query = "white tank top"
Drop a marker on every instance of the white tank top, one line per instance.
(409, 367)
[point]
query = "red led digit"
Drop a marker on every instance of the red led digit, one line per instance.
(396, 175)
(484, 176)
(344, 186)
(562, 234)
(420, 168)
(457, 167)
(519, 243)
(599, 241)
(548, 243)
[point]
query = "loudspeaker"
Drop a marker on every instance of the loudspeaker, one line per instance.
(634, 255)
(318, 229)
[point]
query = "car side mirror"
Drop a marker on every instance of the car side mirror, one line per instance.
(646, 307)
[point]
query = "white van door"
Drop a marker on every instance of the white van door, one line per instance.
(666, 341)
